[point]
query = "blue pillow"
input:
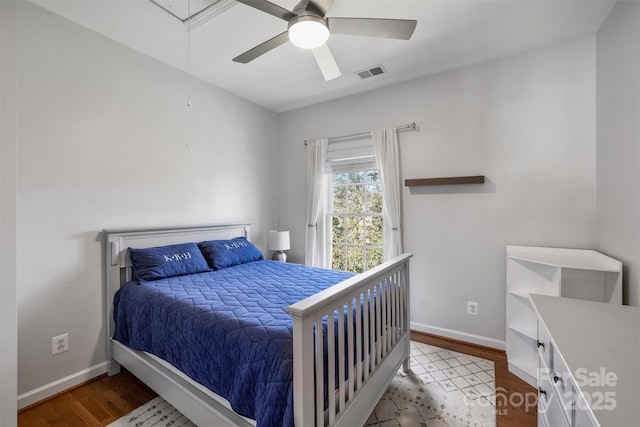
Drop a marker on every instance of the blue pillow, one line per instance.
(167, 261)
(226, 253)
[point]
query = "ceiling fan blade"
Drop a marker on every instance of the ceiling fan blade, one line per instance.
(326, 62)
(263, 48)
(270, 8)
(401, 29)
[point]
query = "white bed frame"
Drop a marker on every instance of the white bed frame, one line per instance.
(384, 289)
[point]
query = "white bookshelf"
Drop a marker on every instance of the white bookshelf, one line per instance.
(572, 273)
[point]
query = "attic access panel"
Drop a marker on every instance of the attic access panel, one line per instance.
(180, 8)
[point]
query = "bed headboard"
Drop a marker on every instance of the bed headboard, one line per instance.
(118, 269)
(119, 241)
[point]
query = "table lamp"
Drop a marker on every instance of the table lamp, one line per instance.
(279, 242)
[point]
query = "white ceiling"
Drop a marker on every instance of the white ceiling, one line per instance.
(449, 34)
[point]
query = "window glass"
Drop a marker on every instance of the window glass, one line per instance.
(356, 220)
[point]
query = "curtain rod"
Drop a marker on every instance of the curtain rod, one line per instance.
(410, 126)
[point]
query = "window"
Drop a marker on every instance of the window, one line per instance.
(348, 225)
(356, 220)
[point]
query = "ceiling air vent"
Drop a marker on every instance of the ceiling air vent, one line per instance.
(371, 72)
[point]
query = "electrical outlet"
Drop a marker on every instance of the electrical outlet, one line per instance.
(60, 344)
(472, 308)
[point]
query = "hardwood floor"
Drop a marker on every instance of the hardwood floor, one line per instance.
(105, 399)
(96, 403)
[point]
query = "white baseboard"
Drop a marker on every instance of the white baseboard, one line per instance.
(460, 336)
(62, 384)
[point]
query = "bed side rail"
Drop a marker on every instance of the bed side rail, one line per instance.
(373, 309)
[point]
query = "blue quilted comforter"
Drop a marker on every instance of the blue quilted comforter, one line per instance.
(227, 329)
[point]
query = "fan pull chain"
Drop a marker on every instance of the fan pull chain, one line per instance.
(189, 54)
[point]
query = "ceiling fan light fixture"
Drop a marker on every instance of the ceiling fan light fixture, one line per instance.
(308, 32)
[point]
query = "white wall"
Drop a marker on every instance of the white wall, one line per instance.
(526, 122)
(8, 332)
(105, 140)
(618, 142)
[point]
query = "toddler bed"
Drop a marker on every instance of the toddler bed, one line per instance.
(260, 359)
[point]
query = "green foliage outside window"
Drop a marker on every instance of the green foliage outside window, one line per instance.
(356, 220)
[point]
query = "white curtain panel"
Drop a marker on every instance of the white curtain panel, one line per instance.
(316, 253)
(385, 147)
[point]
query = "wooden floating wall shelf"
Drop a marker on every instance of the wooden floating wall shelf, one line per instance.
(478, 179)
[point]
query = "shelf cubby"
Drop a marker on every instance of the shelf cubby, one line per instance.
(572, 273)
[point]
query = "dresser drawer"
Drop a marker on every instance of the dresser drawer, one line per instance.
(549, 406)
(561, 379)
(556, 371)
(545, 350)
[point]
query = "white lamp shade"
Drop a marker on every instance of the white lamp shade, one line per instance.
(278, 240)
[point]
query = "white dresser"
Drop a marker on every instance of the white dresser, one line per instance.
(589, 363)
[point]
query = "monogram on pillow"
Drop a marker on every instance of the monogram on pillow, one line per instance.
(235, 245)
(178, 257)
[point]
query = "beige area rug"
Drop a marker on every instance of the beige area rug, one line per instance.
(155, 413)
(444, 388)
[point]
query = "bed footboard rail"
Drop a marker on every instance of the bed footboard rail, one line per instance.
(340, 374)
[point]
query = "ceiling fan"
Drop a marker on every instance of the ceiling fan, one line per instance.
(309, 28)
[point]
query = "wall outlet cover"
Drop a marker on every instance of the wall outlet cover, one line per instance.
(60, 344)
